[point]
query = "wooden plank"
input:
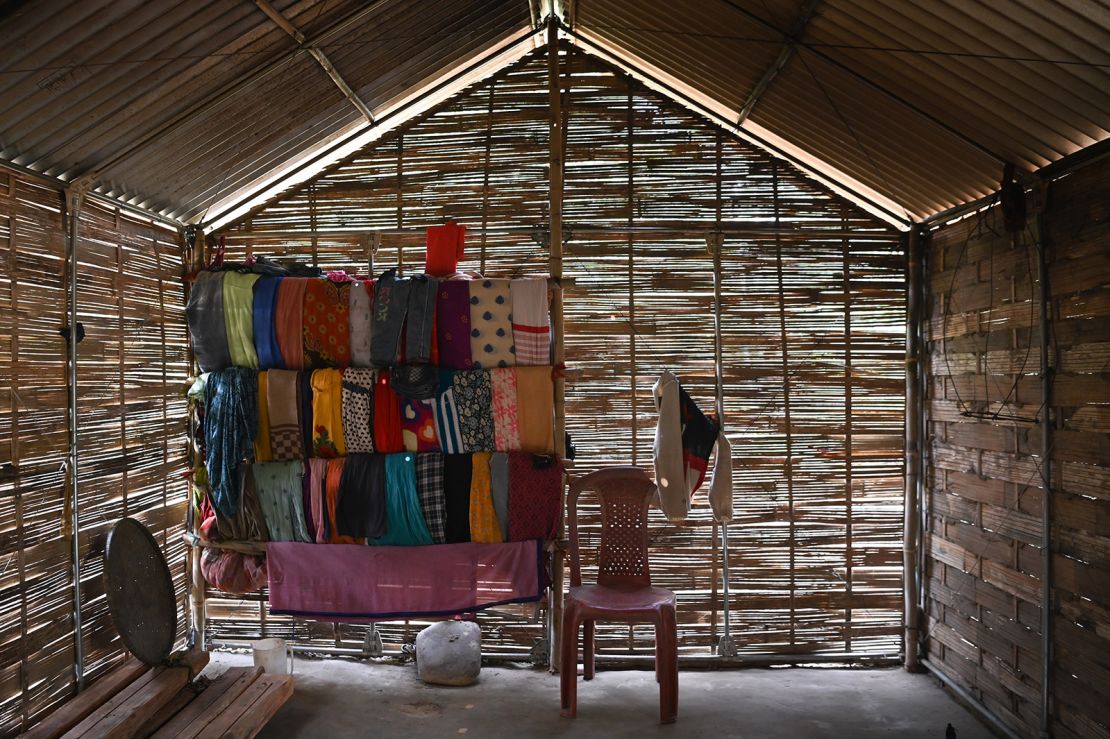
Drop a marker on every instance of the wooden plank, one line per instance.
(75, 710)
(125, 718)
(175, 704)
(264, 696)
(220, 694)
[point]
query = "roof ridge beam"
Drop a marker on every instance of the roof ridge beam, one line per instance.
(780, 63)
(318, 54)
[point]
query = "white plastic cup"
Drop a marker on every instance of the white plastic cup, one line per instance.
(274, 656)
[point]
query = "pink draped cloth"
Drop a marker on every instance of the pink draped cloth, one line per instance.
(350, 582)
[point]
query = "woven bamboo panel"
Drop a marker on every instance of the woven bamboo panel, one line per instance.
(131, 367)
(985, 476)
(815, 552)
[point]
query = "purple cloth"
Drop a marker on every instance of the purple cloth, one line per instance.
(453, 324)
(351, 582)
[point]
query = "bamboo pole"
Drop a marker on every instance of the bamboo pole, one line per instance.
(848, 553)
(631, 243)
(1046, 471)
(911, 576)
(556, 131)
(485, 173)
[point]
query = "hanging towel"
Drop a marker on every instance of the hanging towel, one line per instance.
(391, 297)
(230, 424)
(205, 313)
(283, 410)
(447, 414)
(262, 449)
(491, 331)
(445, 248)
(405, 525)
(362, 297)
(358, 409)
(535, 393)
(535, 496)
(531, 324)
(326, 332)
(327, 414)
(453, 324)
(430, 490)
(499, 490)
(265, 334)
(474, 401)
(361, 511)
(279, 488)
(484, 526)
(419, 335)
(506, 433)
(331, 491)
(457, 474)
(289, 321)
(317, 480)
(387, 417)
(418, 426)
(684, 440)
(239, 318)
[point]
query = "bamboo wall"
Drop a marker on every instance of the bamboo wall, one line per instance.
(132, 364)
(813, 341)
(985, 475)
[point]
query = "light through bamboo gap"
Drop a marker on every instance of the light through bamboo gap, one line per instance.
(845, 245)
(631, 185)
(117, 289)
(485, 172)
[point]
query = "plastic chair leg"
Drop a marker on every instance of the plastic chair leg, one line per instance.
(588, 650)
(568, 663)
(666, 641)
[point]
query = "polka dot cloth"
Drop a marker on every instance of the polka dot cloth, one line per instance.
(491, 329)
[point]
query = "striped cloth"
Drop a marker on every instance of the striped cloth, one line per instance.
(430, 489)
(531, 325)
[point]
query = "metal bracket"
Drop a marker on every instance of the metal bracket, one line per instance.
(539, 654)
(726, 647)
(372, 645)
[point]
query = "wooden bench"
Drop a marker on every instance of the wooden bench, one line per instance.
(136, 701)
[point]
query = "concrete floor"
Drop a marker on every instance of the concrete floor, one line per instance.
(342, 698)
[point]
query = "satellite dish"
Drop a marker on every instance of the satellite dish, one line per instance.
(140, 591)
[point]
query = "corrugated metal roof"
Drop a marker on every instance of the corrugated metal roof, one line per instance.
(178, 106)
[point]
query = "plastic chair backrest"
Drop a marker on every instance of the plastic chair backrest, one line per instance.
(624, 494)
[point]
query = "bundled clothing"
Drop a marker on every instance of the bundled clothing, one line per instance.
(230, 425)
(205, 313)
(684, 440)
(266, 345)
(239, 318)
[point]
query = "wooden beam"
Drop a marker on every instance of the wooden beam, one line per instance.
(780, 63)
(318, 54)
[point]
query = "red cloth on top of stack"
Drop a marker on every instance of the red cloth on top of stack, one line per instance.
(445, 249)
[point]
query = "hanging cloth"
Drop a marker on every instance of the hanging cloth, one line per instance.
(491, 331)
(230, 423)
(447, 414)
(506, 433)
(289, 321)
(531, 324)
(265, 334)
(387, 417)
(262, 449)
(535, 393)
(306, 502)
(283, 410)
(362, 297)
(317, 480)
(419, 321)
(445, 248)
(361, 511)
(279, 489)
(430, 490)
(327, 414)
(358, 409)
(391, 298)
(418, 426)
(331, 492)
(248, 523)
(684, 440)
(535, 496)
(405, 525)
(484, 526)
(239, 318)
(474, 401)
(419, 381)
(453, 324)
(205, 313)
(457, 474)
(499, 490)
(326, 333)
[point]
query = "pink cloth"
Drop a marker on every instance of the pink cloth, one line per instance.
(506, 431)
(351, 582)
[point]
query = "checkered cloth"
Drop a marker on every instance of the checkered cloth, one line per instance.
(430, 489)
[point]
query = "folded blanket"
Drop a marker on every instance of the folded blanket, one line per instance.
(289, 321)
(491, 331)
(535, 394)
(405, 521)
(278, 486)
(262, 449)
(326, 332)
(535, 496)
(205, 314)
(358, 409)
(447, 414)
(283, 411)
(453, 324)
(239, 318)
(327, 415)
(362, 297)
(506, 431)
(474, 400)
(418, 426)
(265, 334)
(531, 324)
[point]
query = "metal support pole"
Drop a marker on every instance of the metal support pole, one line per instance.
(1046, 474)
(911, 577)
(75, 195)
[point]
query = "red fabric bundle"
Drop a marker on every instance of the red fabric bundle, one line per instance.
(233, 572)
(445, 249)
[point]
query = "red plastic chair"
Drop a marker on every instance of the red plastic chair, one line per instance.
(623, 591)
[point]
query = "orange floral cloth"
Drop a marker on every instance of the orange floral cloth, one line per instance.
(326, 326)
